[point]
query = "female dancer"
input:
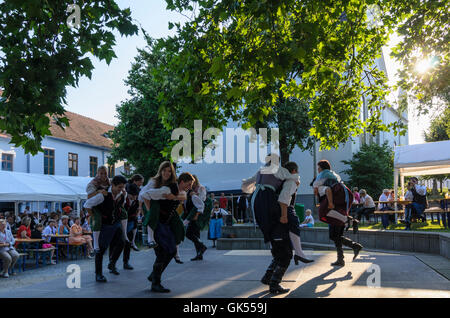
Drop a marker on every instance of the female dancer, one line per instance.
(137, 180)
(169, 229)
(100, 184)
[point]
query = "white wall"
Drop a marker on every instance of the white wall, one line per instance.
(62, 149)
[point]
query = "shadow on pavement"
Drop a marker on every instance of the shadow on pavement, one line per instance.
(308, 289)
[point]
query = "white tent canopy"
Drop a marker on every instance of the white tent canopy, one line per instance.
(421, 159)
(17, 186)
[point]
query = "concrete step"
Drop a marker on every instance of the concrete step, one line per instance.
(258, 244)
(246, 237)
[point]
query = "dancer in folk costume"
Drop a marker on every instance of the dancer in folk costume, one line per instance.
(323, 185)
(169, 229)
(267, 188)
(114, 224)
(138, 181)
(196, 219)
(100, 184)
(152, 191)
(216, 223)
(132, 206)
(342, 201)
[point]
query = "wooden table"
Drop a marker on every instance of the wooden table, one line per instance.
(31, 241)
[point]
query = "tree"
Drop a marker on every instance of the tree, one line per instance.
(140, 137)
(41, 55)
(439, 130)
(245, 50)
(372, 168)
(423, 51)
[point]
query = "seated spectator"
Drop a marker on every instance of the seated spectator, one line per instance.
(368, 205)
(85, 225)
(67, 209)
(77, 237)
(8, 253)
(356, 198)
(27, 211)
(34, 220)
(417, 194)
(11, 224)
(24, 231)
(385, 197)
(50, 229)
(37, 234)
(64, 228)
(309, 220)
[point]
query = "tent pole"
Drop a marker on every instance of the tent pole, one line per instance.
(16, 208)
(402, 183)
(395, 192)
(78, 207)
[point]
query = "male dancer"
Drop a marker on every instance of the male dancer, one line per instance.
(169, 230)
(265, 204)
(114, 224)
(196, 204)
(132, 206)
(342, 197)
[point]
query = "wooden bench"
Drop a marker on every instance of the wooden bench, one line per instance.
(21, 257)
(434, 210)
(39, 251)
(75, 246)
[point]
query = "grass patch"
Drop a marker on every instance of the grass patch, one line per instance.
(425, 226)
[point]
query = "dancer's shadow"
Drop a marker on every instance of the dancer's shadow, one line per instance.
(308, 289)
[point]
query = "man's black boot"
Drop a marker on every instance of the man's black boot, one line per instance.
(277, 276)
(269, 272)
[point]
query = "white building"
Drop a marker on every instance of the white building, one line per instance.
(76, 151)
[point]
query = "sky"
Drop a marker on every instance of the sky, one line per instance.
(98, 97)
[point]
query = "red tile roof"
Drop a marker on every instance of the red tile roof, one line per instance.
(83, 130)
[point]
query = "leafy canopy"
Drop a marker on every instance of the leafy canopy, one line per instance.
(40, 56)
(245, 50)
(372, 168)
(140, 136)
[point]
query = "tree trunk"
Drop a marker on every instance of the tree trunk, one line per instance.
(284, 151)
(435, 190)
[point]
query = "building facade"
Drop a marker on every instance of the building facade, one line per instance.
(78, 150)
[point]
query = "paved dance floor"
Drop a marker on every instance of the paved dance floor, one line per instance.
(237, 273)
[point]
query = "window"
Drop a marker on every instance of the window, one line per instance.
(49, 161)
(127, 168)
(7, 162)
(93, 164)
(111, 169)
(73, 164)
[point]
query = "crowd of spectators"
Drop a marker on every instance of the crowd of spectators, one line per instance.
(34, 225)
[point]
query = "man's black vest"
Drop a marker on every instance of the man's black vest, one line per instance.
(421, 199)
(132, 209)
(189, 204)
(167, 207)
(111, 210)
